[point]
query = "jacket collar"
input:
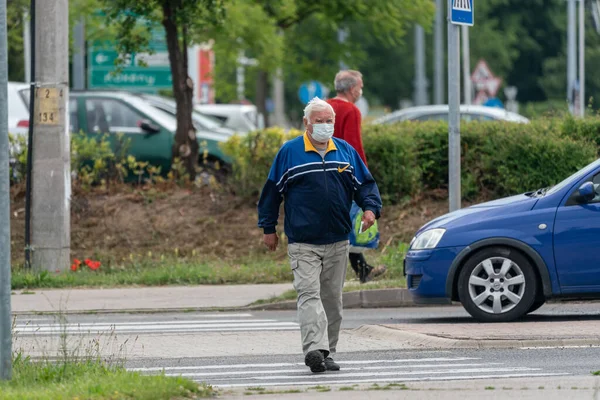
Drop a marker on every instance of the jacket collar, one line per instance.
(308, 146)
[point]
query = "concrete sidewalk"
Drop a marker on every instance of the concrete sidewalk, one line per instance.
(474, 335)
(170, 298)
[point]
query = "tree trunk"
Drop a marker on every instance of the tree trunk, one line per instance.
(262, 88)
(186, 145)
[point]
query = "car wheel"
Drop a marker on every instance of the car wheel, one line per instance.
(497, 285)
(536, 305)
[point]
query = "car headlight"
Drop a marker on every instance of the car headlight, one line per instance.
(427, 240)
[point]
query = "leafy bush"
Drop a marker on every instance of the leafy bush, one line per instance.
(498, 158)
(96, 161)
(253, 155)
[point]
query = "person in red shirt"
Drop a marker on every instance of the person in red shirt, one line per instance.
(348, 86)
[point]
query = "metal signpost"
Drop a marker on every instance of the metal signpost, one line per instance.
(460, 12)
(5, 318)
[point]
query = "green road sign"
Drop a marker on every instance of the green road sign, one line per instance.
(141, 71)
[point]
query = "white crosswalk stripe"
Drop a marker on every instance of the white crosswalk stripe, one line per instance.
(352, 372)
(204, 323)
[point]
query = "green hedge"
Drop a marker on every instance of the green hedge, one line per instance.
(498, 158)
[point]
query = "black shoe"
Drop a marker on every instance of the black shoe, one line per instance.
(315, 361)
(331, 365)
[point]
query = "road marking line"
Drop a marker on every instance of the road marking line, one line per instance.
(303, 370)
(310, 376)
(560, 347)
(156, 332)
(439, 378)
(270, 365)
(156, 323)
(150, 327)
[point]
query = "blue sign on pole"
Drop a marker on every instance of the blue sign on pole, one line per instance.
(462, 12)
(310, 90)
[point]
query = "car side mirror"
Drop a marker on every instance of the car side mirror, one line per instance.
(148, 127)
(587, 192)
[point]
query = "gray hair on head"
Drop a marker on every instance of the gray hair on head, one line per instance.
(317, 104)
(346, 80)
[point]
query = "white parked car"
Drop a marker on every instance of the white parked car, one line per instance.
(440, 112)
(202, 122)
(242, 118)
(18, 109)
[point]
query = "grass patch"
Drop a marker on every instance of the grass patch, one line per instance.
(194, 270)
(149, 272)
(345, 388)
(597, 373)
(92, 380)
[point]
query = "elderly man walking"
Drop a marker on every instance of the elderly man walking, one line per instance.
(348, 86)
(318, 176)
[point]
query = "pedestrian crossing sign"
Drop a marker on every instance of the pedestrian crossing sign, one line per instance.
(461, 12)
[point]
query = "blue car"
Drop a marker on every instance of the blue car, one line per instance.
(503, 259)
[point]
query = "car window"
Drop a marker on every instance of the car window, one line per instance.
(109, 115)
(432, 117)
(475, 117)
(73, 116)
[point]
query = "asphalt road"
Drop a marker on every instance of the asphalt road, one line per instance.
(262, 349)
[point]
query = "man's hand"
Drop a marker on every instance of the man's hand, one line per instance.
(368, 220)
(271, 241)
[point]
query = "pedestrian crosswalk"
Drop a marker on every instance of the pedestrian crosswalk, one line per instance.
(352, 372)
(208, 322)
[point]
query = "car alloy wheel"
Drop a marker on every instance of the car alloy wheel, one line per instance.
(497, 285)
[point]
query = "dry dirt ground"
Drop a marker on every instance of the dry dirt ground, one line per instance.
(204, 221)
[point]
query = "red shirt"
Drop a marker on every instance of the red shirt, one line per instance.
(347, 125)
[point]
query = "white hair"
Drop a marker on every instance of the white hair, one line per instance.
(317, 104)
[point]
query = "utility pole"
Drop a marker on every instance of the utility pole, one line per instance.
(571, 58)
(439, 53)
(466, 64)
(420, 77)
(51, 177)
(5, 286)
(582, 99)
(79, 55)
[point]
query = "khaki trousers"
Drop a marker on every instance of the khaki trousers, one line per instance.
(319, 274)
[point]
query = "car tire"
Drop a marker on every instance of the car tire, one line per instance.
(536, 305)
(497, 285)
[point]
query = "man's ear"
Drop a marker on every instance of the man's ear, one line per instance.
(305, 122)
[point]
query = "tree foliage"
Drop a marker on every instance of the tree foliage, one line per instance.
(183, 21)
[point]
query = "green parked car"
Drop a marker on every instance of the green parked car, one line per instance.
(149, 131)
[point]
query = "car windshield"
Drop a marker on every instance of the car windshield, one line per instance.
(575, 177)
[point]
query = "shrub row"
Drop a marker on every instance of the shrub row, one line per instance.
(498, 158)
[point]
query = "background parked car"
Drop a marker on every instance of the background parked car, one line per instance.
(440, 112)
(242, 118)
(205, 123)
(150, 130)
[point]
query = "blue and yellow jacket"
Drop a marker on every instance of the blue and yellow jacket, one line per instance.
(318, 191)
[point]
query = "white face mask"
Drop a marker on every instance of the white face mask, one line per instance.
(322, 132)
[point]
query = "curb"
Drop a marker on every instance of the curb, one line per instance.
(376, 298)
(421, 340)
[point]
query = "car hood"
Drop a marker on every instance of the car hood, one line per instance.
(518, 203)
